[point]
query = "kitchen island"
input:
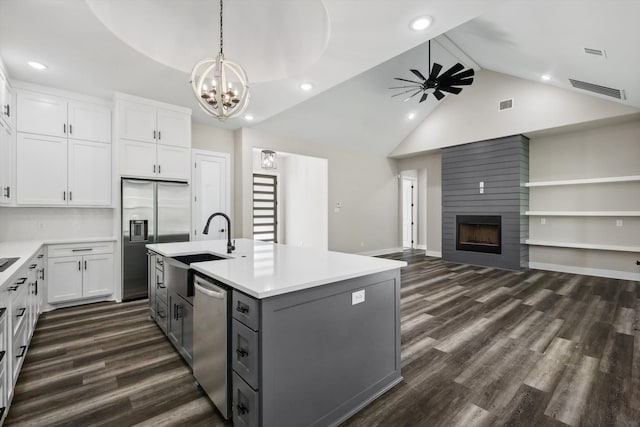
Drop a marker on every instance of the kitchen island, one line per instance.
(315, 335)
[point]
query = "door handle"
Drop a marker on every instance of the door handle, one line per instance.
(79, 266)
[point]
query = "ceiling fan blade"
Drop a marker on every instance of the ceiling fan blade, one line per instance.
(459, 82)
(451, 71)
(464, 74)
(404, 87)
(423, 97)
(408, 98)
(405, 80)
(435, 70)
(418, 73)
(406, 91)
(450, 89)
(439, 95)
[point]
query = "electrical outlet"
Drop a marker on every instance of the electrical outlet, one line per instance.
(357, 297)
(618, 223)
(543, 221)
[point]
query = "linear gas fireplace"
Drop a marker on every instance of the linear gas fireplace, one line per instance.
(479, 233)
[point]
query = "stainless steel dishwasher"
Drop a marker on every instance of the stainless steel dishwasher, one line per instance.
(211, 345)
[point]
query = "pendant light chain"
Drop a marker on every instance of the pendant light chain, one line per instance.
(221, 29)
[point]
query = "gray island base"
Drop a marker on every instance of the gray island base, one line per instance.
(321, 357)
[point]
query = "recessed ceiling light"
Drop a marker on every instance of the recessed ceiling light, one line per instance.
(248, 117)
(306, 86)
(411, 116)
(545, 77)
(421, 23)
(37, 65)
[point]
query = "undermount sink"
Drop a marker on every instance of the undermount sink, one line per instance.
(189, 259)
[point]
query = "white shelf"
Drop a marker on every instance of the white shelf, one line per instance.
(583, 246)
(583, 181)
(583, 213)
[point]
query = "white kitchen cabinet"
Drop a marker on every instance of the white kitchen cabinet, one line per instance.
(88, 274)
(44, 114)
(7, 103)
(153, 141)
(7, 165)
(60, 172)
(41, 170)
(89, 173)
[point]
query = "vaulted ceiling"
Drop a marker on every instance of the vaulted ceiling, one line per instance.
(350, 50)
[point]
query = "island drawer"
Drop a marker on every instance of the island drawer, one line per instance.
(161, 315)
(245, 353)
(161, 288)
(246, 310)
(245, 404)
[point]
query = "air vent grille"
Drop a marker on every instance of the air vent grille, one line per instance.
(507, 104)
(596, 52)
(602, 90)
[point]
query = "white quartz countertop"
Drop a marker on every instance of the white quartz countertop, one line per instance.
(25, 249)
(264, 270)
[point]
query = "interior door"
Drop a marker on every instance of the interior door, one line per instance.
(211, 189)
(408, 220)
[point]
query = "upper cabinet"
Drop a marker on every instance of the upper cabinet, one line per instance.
(7, 165)
(44, 114)
(7, 103)
(154, 139)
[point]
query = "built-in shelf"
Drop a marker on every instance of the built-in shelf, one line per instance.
(583, 213)
(583, 181)
(583, 246)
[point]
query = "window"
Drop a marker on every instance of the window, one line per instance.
(265, 208)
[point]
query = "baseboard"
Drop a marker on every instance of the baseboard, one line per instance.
(381, 252)
(421, 247)
(599, 272)
(437, 254)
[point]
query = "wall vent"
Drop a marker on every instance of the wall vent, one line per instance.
(602, 90)
(596, 52)
(506, 104)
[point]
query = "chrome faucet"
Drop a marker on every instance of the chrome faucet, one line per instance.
(230, 247)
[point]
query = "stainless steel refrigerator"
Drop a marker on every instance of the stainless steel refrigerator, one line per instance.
(152, 212)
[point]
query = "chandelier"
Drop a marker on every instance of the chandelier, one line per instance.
(220, 86)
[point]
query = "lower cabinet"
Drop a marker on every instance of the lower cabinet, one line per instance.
(180, 330)
(79, 272)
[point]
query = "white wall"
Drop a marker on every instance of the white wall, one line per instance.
(365, 185)
(55, 223)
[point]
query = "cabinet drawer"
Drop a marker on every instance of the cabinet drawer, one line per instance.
(245, 353)
(18, 289)
(162, 315)
(19, 350)
(245, 403)
(246, 310)
(161, 288)
(74, 249)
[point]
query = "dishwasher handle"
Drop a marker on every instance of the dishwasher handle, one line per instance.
(217, 292)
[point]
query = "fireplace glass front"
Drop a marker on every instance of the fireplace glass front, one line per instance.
(479, 233)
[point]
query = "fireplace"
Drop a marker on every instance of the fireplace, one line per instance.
(479, 233)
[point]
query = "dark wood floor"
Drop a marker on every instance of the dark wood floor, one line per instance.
(480, 347)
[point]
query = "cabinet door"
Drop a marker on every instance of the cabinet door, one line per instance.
(64, 282)
(173, 162)
(89, 122)
(174, 128)
(187, 331)
(89, 173)
(97, 275)
(42, 114)
(41, 170)
(7, 163)
(174, 331)
(137, 159)
(8, 105)
(137, 122)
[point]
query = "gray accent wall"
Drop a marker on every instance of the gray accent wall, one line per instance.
(503, 165)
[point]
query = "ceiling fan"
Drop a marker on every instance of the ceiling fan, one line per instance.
(434, 83)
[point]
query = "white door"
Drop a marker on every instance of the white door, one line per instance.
(89, 173)
(89, 122)
(64, 282)
(173, 162)
(97, 275)
(42, 114)
(7, 163)
(211, 187)
(137, 122)
(41, 170)
(408, 218)
(174, 128)
(137, 159)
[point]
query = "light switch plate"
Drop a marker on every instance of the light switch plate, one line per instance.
(357, 297)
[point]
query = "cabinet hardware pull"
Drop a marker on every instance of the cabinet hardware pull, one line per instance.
(160, 262)
(85, 264)
(20, 281)
(242, 309)
(242, 352)
(64, 195)
(161, 314)
(160, 285)
(242, 409)
(12, 288)
(32, 266)
(159, 136)
(7, 110)
(79, 266)
(40, 256)
(159, 170)
(35, 285)
(23, 348)
(70, 195)
(154, 134)
(81, 250)
(64, 128)
(178, 306)
(7, 192)
(154, 168)
(22, 312)
(70, 128)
